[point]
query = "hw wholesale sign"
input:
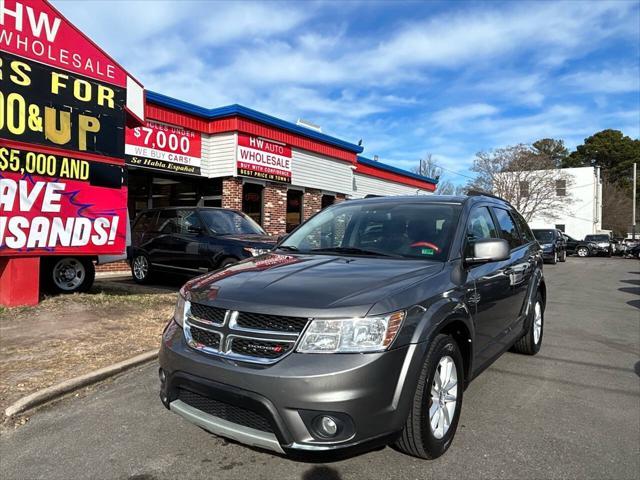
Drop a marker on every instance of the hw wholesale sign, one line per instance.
(164, 147)
(265, 159)
(33, 29)
(51, 107)
(55, 204)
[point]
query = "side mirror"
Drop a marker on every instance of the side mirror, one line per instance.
(489, 250)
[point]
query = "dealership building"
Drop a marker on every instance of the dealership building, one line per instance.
(277, 172)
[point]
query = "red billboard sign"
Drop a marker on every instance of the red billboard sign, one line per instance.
(261, 158)
(57, 204)
(164, 147)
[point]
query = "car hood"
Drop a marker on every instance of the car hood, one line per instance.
(308, 285)
(249, 239)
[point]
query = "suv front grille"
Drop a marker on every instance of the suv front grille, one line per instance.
(259, 321)
(245, 336)
(205, 312)
(225, 411)
(206, 338)
(260, 348)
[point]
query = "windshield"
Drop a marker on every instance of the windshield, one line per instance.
(597, 238)
(406, 230)
(544, 236)
(229, 222)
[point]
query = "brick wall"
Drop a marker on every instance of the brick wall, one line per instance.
(232, 193)
(340, 197)
(113, 267)
(312, 203)
(274, 210)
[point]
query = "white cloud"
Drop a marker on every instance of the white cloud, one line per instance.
(619, 80)
(453, 117)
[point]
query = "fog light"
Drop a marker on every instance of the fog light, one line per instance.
(328, 426)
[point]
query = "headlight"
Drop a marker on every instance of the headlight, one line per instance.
(182, 308)
(257, 251)
(369, 334)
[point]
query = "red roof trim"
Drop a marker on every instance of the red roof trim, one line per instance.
(394, 177)
(239, 124)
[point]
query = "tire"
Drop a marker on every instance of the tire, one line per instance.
(563, 257)
(583, 252)
(530, 342)
(554, 260)
(68, 274)
(418, 437)
(141, 269)
(227, 261)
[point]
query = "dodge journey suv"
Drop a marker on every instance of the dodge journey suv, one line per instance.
(363, 327)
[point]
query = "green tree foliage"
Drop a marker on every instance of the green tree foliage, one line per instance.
(551, 148)
(610, 150)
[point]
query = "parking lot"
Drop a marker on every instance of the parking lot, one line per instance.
(572, 411)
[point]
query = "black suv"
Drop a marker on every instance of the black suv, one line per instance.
(601, 244)
(362, 327)
(554, 245)
(192, 240)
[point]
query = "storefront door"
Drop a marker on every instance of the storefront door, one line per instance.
(252, 201)
(294, 209)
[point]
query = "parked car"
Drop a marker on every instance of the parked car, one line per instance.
(602, 244)
(634, 251)
(363, 327)
(553, 244)
(579, 247)
(193, 240)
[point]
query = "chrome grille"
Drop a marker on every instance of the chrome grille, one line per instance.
(246, 336)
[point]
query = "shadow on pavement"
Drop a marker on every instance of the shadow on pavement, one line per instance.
(321, 473)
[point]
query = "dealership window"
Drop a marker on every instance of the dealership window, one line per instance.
(327, 200)
(252, 201)
(524, 189)
(294, 209)
(561, 188)
(148, 189)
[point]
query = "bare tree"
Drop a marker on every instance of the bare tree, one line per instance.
(616, 208)
(528, 179)
(428, 168)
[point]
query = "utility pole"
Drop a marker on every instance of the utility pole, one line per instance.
(633, 207)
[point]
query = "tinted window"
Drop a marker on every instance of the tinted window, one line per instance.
(544, 236)
(525, 231)
(167, 222)
(414, 230)
(479, 227)
(597, 238)
(507, 226)
(145, 222)
(187, 222)
(229, 222)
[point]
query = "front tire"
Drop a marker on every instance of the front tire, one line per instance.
(435, 411)
(554, 260)
(563, 256)
(531, 341)
(68, 274)
(141, 268)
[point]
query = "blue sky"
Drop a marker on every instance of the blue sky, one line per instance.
(446, 78)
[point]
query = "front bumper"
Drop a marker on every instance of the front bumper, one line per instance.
(370, 394)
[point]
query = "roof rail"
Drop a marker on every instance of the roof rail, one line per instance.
(372, 195)
(477, 193)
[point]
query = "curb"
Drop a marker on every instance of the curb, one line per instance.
(55, 391)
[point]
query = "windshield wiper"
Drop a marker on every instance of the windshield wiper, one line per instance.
(289, 248)
(355, 250)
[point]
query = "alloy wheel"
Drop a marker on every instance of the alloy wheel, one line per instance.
(140, 267)
(68, 274)
(444, 394)
(583, 252)
(537, 323)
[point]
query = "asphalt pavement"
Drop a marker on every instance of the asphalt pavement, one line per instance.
(572, 411)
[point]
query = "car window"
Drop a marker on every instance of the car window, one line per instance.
(144, 225)
(230, 222)
(544, 236)
(410, 230)
(597, 238)
(507, 227)
(480, 226)
(525, 231)
(167, 222)
(187, 222)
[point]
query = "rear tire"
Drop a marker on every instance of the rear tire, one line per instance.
(228, 261)
(68, 274)
(530, 342)
(583, 252)
(563, 257)
(426, 433)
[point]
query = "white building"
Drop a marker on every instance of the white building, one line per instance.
(582, 214)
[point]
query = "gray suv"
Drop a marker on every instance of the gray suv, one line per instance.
(363, 327)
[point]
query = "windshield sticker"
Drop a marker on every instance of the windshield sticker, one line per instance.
(428, 251)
